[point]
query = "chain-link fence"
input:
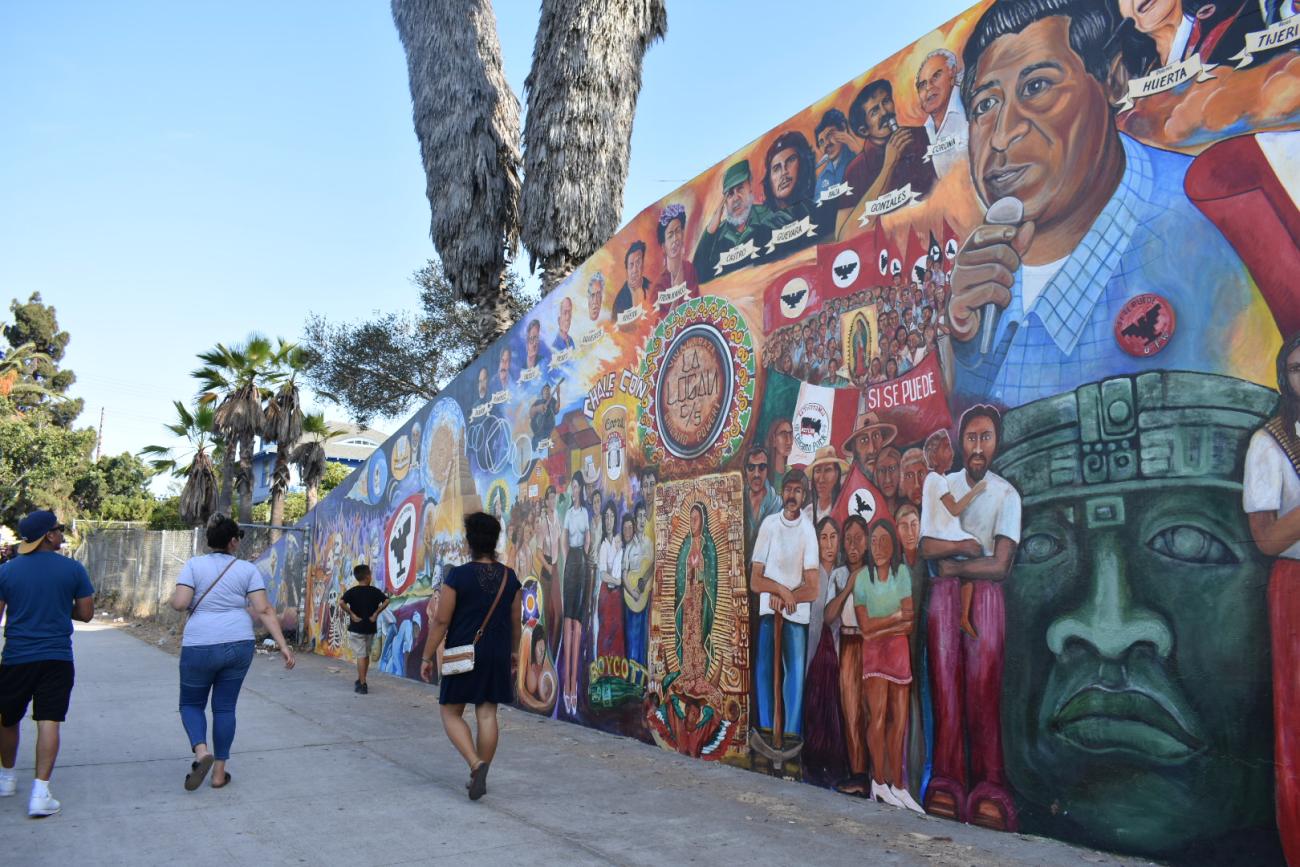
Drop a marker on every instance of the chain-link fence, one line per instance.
(134, 569)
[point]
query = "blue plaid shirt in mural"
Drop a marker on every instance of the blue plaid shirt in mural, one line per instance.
(1148, 238)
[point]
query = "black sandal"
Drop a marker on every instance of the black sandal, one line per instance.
(222, 785)
(198, 770)
(478, 781)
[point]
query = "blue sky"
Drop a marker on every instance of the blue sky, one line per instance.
(173, 174)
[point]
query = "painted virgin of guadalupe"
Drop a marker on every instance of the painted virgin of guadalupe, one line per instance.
(697, 603)
(861, 347)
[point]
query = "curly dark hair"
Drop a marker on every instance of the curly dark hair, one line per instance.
(482, 531)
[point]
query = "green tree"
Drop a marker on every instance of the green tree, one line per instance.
(166, 515)
(40, 460)
(35, 327)
(114, 488)
(192, 461)
(384, 366)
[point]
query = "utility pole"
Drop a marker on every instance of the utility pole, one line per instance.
(99, 443)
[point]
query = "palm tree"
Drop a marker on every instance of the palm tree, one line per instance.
(283, 422)
(234, 380)
(310, 454)
(467, 121)
(199, 496)
(582, 93)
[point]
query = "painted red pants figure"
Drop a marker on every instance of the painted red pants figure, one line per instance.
(1284, 619)
(966, 682)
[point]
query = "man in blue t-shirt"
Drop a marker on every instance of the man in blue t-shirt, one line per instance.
(42, 592)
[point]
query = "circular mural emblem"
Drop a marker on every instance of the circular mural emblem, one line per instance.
(1145, 324)
(693, 391)
(440, 445)
(814, 428)
(794, 297)
(863, 504)
(400, 548)
(401, 457)
(377, 477)
(844, 270)
(883, 263)
(699, 364)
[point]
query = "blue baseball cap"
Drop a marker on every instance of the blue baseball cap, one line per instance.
(33, 528)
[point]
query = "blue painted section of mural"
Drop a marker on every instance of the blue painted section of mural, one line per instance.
(930, 447)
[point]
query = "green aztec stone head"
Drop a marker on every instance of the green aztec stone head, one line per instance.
(1136, 693)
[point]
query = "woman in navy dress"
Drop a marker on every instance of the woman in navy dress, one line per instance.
(467, 595)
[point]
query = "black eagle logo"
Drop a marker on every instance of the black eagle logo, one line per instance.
(844, 272)
(861, 506)
(884, 261)
(792, 299)
(398, 546)
(812, 425)
(1145, 326)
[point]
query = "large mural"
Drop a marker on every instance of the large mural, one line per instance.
(929, 447)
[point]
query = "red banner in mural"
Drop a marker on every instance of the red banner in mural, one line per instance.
(855, 264)
(791, 297)
(915, 402)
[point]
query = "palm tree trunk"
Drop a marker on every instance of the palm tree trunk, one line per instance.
(467, 121)
(582, 94)
(246, 480)
(227, 481)
(279, 485)
(313, 495)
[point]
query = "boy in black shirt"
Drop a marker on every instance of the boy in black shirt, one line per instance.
(363, 604)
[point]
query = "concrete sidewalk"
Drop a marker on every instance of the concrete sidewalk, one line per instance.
(322, 776)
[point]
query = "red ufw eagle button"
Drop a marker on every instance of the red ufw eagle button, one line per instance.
(1145, 324)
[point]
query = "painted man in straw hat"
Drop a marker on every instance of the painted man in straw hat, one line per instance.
(827, 473)
(859, 495)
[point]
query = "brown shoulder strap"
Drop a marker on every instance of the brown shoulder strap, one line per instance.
(1289, 443)
(500, 590)
(212, 586)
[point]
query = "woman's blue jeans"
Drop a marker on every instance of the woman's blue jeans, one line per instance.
(218, 669)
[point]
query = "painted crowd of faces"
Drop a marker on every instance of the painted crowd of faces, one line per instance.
(1150, 150)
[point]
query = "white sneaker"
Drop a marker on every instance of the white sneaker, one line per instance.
(8, 786)
(882, 793)
(43, 806)
(905, 798)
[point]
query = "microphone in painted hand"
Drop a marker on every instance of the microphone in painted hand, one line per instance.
(1006, 211)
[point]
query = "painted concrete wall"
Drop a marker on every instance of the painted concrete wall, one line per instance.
(917, 448)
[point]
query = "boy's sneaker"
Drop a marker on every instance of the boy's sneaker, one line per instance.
(363, 689)
(356, 686)
(40, 806)
(8, 785)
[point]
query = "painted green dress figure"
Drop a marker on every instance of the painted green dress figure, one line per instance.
(697, 604)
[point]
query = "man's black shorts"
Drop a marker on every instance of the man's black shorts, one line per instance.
(46, 685)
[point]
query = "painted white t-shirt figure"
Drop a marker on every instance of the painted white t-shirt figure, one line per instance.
(1270, 483)
(995, 512)
(942, 523)
(786, 549)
